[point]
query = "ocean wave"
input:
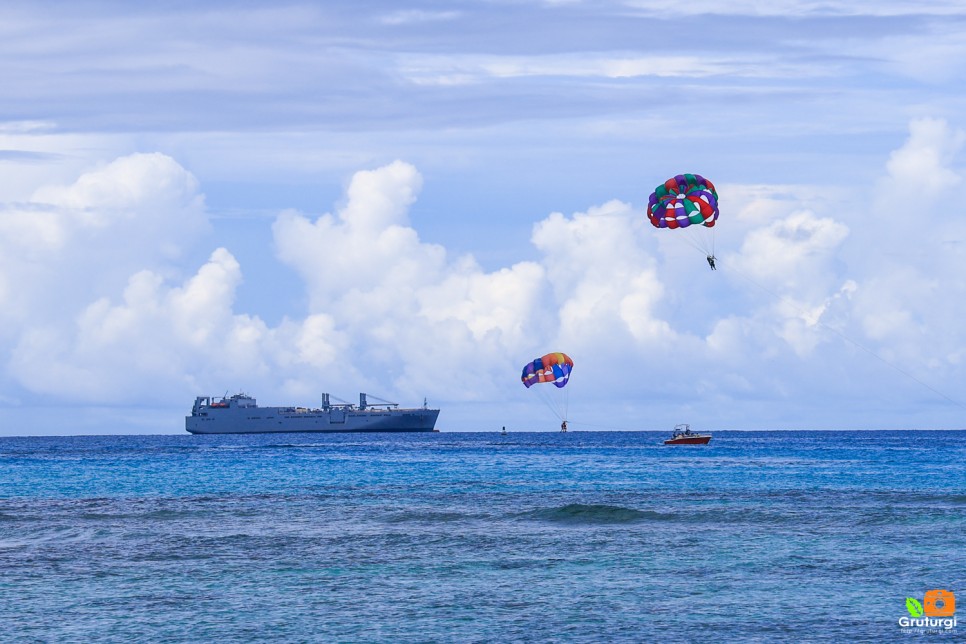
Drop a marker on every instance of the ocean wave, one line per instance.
(580, 514)
(427, 517)
(288, 445)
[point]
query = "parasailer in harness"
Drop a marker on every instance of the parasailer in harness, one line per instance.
(551, 369)
(711, 262)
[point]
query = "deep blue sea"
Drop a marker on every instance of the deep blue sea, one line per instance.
(478, 537)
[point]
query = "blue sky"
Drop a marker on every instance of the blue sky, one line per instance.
(414, 199)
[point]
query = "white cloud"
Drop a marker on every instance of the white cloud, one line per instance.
(799, 8)
(792, 253)
(38, 153)
(36, 231)
(392, 314)
(932, 54)
(566, 106)
(319, 343)
(417, 16)
(161, 342)
(919, 173)
(147, 196)
(404, 307)
(155, 339)
(414, 314)
(603, 275)
(875, 274)
(910, 248)
(138, 211)
(366, 250)
(461, 69)
(501, 302)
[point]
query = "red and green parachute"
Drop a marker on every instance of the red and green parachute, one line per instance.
(683, 200)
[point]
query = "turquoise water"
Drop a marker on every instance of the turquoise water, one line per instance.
(584, 536)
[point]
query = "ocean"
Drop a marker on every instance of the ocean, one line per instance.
(479, 537)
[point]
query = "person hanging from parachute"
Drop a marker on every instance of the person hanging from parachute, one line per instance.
(552, 368)
(683, 200)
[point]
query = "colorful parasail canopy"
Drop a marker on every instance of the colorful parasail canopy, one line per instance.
(553, 367)
(683, 200)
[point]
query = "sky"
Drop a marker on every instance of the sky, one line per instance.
(414, 199)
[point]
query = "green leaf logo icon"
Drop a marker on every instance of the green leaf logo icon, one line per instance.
(914, 607)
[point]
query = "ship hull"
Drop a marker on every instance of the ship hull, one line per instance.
(275, 420)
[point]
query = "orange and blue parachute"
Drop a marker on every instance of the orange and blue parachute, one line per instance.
(683, 200)
(553, 367)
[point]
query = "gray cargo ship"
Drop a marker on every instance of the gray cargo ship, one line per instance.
(239, 414)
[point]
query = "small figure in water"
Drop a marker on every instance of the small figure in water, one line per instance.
(563, 426)
(711, 262)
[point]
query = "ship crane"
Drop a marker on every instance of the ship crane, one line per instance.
(364, 402)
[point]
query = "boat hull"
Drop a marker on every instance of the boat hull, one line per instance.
(689, 440)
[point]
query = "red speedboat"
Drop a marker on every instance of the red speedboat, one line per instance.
(684, 436)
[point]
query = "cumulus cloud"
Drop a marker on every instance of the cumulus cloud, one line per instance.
(367, 248)
(873, 274)
(792, 253)
(413, 314)
(919, 173)
(421, 318)
(911, 247)
(165, 340)
(97, 311)
(140, 210)
(603, 275)
(157, 335)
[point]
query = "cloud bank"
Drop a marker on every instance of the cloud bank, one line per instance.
(101, 304)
